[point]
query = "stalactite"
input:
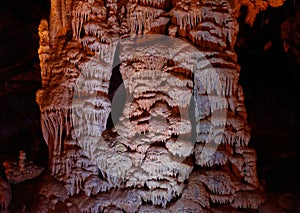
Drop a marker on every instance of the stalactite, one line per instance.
(210, 156)
(80, 12)
(247, 200)
(218, 182)
(142, 17)
(190, 18)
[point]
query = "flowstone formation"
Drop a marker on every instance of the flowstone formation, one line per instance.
(163, 153)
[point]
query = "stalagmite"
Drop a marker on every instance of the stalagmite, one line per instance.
(21, 170)
(157, 154)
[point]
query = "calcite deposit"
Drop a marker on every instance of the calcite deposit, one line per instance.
(179, 143)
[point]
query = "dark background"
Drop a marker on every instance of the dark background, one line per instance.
(269, 76)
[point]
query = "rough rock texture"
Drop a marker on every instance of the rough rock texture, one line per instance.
(152, 154)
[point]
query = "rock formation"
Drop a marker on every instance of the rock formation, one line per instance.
(21, 170)
(163, 153)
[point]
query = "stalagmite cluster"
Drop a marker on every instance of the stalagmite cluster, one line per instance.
(180, 143)
(21, 170)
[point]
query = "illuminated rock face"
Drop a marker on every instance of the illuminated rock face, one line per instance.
(161, 147)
